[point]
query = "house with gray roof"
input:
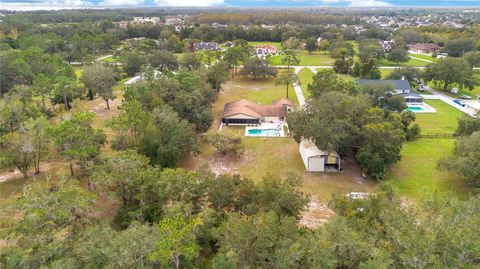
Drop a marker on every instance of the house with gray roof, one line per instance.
(399, 85)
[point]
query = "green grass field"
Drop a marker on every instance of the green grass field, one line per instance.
(423, 56)
(306, 59)
(444, 121)
(417, 172)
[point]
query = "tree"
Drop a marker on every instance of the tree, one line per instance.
(167, 138)
(397, 55)
(258, 67)
(133, 63)
(217, 74)
(67, 88)
(42, 86)
(286, 78)
(473, 58)
(13, 70)
(236, 55)
(190, 61)
(163, 60)
(311, 45)
(52, 217)
(326, 80)
(129, 124)
(76, 139)
(412, 74)
(458, 47)
(177, 241)
(467, 125)
(38, 139)
(257, 241)
(449, 70)
(16, 152)
(225, 142)
(290, 58)
(99, 79)
(466, 160)
(381, 147)
(324, 45)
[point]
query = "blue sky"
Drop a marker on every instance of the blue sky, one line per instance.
(57, 4)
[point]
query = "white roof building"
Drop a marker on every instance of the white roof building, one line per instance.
(317, 160)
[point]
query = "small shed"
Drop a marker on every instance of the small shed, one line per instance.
(317, 160)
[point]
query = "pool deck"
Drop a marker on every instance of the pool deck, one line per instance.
(425, 108)
(267, 125)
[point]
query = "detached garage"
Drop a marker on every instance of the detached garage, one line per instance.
(317, 160)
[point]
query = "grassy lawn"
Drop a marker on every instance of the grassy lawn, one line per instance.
(305, 77)
(277, 45)
(316, 58)
(385, 72)
(417, 172)
(444, 121)
(423, 56)
(410, 63)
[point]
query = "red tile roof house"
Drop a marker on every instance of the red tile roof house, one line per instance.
(264, 50)
(246, 112)
(424, 48)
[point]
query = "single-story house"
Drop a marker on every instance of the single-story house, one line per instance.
(206, 46)
(412, 98)
(424, 48)
(246, 112)
(399, 85)
(264, 50)
(317, 160)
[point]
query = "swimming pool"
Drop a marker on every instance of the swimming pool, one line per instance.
(421, 108)
(415, 108)
(263, 132)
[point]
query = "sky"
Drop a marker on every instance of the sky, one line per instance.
(67, 4)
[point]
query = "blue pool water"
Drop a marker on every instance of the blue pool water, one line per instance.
(415, 108)
(264, 132)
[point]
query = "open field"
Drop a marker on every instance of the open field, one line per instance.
(417, 172)
(444, 121)
(423, 56)
(306, 59)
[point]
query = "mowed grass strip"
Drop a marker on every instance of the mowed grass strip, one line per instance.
(443, 121)
(417, 172)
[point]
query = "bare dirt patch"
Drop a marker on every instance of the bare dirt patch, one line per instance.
(217, 162)
(316, 214)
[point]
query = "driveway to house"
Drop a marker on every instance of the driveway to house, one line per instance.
(436, 95)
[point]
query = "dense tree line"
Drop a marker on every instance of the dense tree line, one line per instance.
(177, 219)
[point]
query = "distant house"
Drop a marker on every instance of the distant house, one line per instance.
(317, 160)
(246, 112)
(263, 50)
(387, 45)
(412, 98)
(228, 44)
(206, 46)
(425, 48)
(399, 85)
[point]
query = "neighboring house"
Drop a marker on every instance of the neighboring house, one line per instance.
(387, 45)
(206, 46)
(399, 85)
(246, 112)
(134, 80)
(317, 160)
(228, 44)
(263, 50)
(424, 48)
(412, 98)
